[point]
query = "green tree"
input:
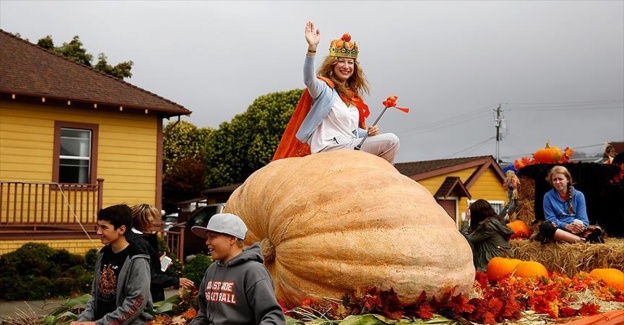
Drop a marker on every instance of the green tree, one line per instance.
(183, 162)
(75, 51)
(238, 148)
(181, 140)
(121, 70)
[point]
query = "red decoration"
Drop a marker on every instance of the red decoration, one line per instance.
(391, 102)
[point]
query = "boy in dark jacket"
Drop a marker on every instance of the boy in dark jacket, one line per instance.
(121, 287)
(237, 288)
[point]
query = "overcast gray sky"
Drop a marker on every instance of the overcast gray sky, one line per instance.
(555, 67)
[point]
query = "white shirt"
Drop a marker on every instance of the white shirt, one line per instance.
(337, 127)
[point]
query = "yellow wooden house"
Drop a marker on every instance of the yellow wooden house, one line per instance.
(72, 140)
(455, 183)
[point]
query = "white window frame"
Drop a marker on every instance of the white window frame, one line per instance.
(88, 141)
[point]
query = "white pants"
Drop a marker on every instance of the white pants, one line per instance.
(385, 145)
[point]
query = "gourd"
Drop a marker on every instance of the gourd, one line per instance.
(611, 277)
(520, 229)
(499, 268)
(336, 222)
(528, 269)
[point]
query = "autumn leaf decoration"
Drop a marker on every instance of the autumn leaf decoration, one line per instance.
(391, 102)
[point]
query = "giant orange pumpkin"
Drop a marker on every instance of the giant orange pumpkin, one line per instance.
(499, 268)
(611, 277)
(336, 222)
(547, 155)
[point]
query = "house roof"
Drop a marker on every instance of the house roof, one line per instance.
(452, 185)
(419, 170)
(31, 73)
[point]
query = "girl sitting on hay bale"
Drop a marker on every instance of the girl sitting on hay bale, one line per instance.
(565, 212)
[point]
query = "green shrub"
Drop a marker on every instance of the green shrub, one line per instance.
(36, 271)
(30, 259)
(195, 268)
(66, 260)
(40, 288)
(90, 259)
(66, 286)
(85, 282)
(13, 288)
(76, 271)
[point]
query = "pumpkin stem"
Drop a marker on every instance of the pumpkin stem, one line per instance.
(268, 250)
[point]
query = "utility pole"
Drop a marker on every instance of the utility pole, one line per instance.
(498, 122)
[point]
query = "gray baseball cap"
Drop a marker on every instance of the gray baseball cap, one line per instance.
(223, 223)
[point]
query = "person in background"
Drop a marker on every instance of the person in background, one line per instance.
(237, 288)
(331, 114)
(609, 154)
(488, 234)
(143, 216)
(565, 211)
(120, 293)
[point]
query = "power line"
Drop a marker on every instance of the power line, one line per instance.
(446, 122)
(573, 106)
(471, 148)
(519, 107)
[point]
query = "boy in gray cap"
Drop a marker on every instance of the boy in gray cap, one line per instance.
(237, 288)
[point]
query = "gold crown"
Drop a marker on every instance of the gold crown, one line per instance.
(343, 47)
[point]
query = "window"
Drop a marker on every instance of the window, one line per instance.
(75, 148)
(75, 159)
(496, 205)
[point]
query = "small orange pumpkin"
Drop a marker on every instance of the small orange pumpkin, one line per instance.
(611, 277)
(520, 229)
(528, 269)
(500, 267)
(548, 155)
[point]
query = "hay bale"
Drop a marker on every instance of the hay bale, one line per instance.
(569, 259)
(526, 200)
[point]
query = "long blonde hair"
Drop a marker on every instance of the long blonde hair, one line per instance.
(355, 86)
(569, 191)
(511, 178)
(143, 217)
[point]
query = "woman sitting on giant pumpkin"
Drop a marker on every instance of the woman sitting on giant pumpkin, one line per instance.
(565, 212)
(488, 234)
(331, 114)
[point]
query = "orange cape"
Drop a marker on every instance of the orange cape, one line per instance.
(290, 146)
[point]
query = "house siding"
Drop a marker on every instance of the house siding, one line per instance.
(79, 246)
(487, 187)
(433, 183)
(127, 148)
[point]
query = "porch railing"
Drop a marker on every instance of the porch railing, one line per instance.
(34, 205)
(175, 242)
